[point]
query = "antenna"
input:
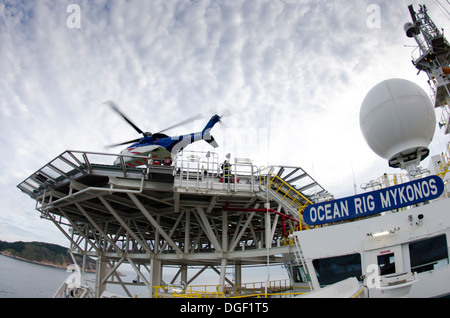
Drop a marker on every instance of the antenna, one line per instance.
(354, 179)
(398, 122)
(432, 54)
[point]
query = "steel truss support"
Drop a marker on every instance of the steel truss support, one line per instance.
(126, 228)
(193, 237)
(154, 223)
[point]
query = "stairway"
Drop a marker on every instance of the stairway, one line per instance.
(300, 259)
(292, 188)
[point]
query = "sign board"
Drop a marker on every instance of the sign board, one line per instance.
(391, 198)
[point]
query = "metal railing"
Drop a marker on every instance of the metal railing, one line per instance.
(245, 290)
(203, 171)
(287, 194)
(72, 163)
(287, 189)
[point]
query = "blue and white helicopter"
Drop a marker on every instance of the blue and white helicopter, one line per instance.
(159, 147)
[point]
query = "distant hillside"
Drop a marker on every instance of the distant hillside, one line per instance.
(42, 253)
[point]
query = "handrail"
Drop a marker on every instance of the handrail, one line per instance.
(202, 171)
(284, 183)
(70, 162)
(251, 289)
(271, 177)
(358, 293)
(271, 295)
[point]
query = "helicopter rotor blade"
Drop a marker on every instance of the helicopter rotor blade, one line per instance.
(184, 122)
(226, 113)
(118, 111)
(123, 143)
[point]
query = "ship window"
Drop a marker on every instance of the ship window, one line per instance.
(298, 274)
(334, 269)
(428, 254)
(386, 263)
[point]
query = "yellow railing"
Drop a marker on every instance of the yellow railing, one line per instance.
(230, 291)
(286, 189)
(295, 194)
(445, 162)
(391, 179)
(271, 295)
(246, 289)
(359, 294)
(189, 292)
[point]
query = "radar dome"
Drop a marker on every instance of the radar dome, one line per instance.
(398, 122)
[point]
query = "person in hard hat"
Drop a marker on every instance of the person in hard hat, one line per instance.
(226, 169)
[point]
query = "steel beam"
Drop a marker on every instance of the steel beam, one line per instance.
(154, 223)
(208, 229)
(125, 225)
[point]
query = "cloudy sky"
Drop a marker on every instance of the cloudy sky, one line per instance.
(292, 73)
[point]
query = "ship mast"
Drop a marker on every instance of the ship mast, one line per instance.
(431, 56)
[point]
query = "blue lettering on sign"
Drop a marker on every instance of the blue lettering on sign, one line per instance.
(391, 198)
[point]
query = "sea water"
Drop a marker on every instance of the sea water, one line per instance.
(20, 279)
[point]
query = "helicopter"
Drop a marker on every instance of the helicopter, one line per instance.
(159, 147)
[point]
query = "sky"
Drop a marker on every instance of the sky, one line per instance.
(291, 73)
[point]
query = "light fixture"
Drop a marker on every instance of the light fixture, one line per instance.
(383, 233)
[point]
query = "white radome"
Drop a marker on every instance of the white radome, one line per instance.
(397, 116)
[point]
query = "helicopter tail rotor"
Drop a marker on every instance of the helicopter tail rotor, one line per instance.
(226, 113)
(214, 120)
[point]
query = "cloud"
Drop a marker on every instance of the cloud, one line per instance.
(292, 73)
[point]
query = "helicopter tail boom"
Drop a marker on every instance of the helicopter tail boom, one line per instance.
(206, 136)
(214, 120)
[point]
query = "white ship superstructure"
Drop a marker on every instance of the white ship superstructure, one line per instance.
(392, 239)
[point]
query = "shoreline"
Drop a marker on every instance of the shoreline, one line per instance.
(43, 263)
